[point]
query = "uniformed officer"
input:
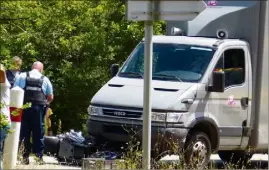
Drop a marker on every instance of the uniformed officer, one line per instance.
(14, 70)
(39, 92)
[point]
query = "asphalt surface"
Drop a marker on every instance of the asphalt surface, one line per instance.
(258, 161)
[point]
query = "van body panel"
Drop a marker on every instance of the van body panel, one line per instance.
(227, 106)
(123, 95)
(122, 133)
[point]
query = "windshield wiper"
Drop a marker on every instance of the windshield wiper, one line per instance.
(131, 73)
(166, 76)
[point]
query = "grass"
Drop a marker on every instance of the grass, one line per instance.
(132, 159)
(35, 165)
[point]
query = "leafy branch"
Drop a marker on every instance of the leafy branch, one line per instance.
(4, 122)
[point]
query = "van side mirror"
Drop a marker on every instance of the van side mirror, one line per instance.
(218, 82)
(114, 69)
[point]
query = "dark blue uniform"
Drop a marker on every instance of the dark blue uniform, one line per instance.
(33, 117)
(11, 77)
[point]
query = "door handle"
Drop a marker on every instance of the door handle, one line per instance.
(187, 101)
(244, 102)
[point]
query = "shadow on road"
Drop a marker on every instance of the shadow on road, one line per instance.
(251, 165)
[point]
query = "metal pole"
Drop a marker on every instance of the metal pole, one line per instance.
(147, 94)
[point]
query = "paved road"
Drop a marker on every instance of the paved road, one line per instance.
(47, 166)
(51, 163)
(258, 161)
(215, 157)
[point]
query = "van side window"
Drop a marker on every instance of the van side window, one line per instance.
(232, 62)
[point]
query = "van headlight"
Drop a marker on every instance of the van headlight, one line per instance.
(173, 117)
(94, 110)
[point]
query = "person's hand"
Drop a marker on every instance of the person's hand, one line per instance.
(50, 133)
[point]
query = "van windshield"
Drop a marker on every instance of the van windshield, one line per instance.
(171, 62)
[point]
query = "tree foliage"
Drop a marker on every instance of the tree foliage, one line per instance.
(76, 40)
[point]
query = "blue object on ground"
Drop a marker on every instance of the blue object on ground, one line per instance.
(105, 154)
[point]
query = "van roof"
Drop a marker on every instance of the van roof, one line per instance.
(201, 41)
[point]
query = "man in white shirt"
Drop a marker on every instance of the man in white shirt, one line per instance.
(4, 109)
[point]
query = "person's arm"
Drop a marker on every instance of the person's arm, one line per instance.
(50, 98)
(49, 92)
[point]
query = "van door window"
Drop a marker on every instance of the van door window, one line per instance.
(232, 62)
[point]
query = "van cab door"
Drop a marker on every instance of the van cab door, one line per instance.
(230, 109)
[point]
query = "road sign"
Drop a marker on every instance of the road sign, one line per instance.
(168, 10)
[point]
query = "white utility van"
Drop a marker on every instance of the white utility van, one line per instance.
(210, 85)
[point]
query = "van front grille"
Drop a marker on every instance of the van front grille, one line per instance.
(122, 113)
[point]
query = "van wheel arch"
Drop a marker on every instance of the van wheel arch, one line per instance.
(209, 127)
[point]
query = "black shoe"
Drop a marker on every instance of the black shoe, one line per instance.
(25, 161)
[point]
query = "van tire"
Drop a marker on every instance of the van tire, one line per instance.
(197, 141)
(240, 158)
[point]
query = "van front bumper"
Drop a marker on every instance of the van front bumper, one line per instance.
(163, 136)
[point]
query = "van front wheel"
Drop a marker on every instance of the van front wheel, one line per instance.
(197, 150)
